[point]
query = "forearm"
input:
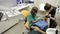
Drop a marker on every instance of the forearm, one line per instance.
(52, 18)
(42, 31)
(38, 29)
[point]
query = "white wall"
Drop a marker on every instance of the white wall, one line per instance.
(8, 3)
(53, 2)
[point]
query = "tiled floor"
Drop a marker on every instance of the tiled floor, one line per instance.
(18, 29)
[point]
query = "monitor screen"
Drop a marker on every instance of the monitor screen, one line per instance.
(28, 1)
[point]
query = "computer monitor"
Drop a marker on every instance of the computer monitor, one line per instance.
(28, 1)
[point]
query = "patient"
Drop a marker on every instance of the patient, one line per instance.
(31, 19)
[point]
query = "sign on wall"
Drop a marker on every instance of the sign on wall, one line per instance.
(20, 1)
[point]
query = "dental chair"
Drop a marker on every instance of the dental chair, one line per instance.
(25, 14)
(48, 31)
(26, 24)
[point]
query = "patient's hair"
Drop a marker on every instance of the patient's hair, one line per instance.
(47, 6)
(34, 11)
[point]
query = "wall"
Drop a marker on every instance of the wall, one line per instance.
(8, 3)
(53, 2)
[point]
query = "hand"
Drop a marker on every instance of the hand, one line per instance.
(36, 28)
(44, 32)
(47, 16)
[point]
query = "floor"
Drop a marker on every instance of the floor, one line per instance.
(19, 29)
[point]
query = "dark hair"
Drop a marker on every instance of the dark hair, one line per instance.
(47, 6)
(34, 11)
